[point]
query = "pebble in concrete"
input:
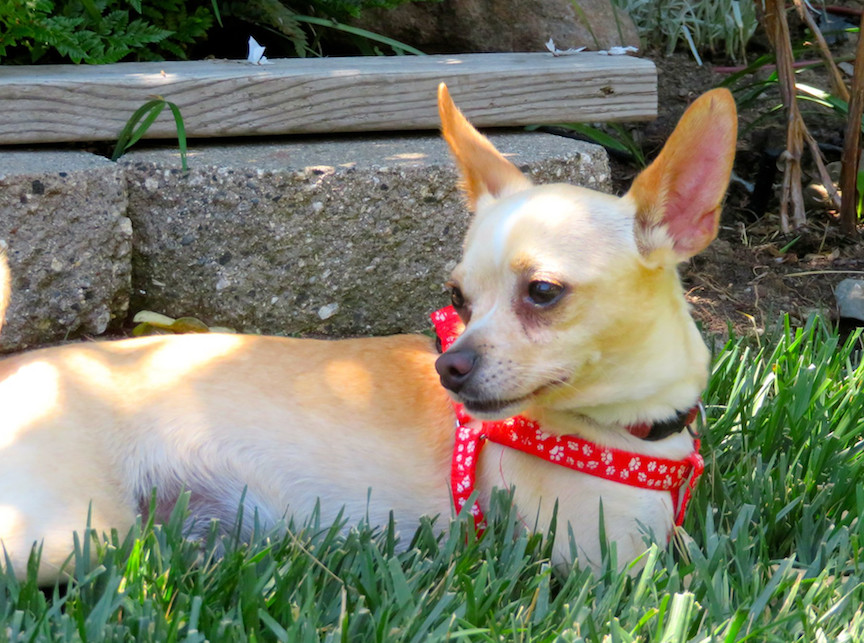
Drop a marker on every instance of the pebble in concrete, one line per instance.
(63, 222)
(351, 236)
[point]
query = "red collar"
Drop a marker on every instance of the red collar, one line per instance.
(570, 451)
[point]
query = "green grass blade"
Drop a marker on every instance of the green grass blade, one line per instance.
(216, 12)
(124, 139)
(398, 47)
(181, 134)
(598, 136)
(145, 124)
(679, 619)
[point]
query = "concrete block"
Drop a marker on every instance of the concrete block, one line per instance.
(63, 222)
(350, 236)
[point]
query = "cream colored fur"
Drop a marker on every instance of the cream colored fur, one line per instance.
(295, 422)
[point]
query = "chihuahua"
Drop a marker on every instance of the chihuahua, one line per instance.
(568, 318)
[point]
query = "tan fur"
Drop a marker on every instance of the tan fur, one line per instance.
(295, 422)
(484, 171)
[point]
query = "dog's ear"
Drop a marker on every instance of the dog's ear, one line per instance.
(485, 172)
(679, 196)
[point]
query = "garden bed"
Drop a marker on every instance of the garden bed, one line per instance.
(752, 274)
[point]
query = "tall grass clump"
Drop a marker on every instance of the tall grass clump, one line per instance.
(700, 26)
(772, 549)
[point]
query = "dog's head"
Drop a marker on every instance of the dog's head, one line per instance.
(571, 298)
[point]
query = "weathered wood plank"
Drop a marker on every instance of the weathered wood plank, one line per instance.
(54, 103)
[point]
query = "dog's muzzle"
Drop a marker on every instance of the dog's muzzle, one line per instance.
(456, 367)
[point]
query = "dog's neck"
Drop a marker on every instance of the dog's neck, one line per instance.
(648, 430)
(666, 375)
(637, 469)
(653, 431)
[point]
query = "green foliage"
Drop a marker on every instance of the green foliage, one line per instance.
(616, 138)
(187, 22)
(775, 551)
(838, 107)
(99, 31)
(289, 19)
(140, 122)
(367, 41)
(753, 81)
(787, 445)
(343, 9)
(699, 25)
(106, 31)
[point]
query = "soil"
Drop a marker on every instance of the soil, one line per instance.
(752, 273)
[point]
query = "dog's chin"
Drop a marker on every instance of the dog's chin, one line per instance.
(501, 409)
(494, 409)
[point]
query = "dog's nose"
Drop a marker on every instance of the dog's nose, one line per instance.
(455, 368)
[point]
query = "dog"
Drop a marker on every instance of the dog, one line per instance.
(568, 316)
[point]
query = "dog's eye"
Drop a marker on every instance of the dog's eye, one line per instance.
(456, 297)
(544, 293)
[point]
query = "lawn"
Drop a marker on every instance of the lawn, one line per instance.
(771, 549)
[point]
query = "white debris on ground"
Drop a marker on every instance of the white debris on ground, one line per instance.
(612, 51)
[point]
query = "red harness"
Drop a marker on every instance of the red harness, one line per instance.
(569, 451)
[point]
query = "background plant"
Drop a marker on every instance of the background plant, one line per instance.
(726, 26)
(717, 26)
(306, 25)
(106, 31)
(620, 141)
(798, 136)
(100, 31)
(141, 120)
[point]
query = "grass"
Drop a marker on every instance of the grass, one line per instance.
(140, 122)
(772, 550)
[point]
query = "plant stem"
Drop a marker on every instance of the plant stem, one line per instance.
(777, 28)
(837, 84)
(851, 145)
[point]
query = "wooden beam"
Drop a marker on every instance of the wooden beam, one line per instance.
(56, 103)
